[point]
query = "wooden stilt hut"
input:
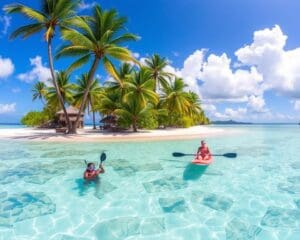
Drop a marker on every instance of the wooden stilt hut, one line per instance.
(72, 113)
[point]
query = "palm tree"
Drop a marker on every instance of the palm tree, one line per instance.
(65, 88)
(93, 94)
(39, 91)
(194, 101)
(120, 81)
(132, 111)
(141, 87)
(175, 99)
(108, 103)
(98, 37)
(156, 65)
(53, 14)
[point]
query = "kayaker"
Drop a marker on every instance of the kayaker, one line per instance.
(91, 172)
(203, 152)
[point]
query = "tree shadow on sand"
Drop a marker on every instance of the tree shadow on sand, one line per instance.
(194, 171)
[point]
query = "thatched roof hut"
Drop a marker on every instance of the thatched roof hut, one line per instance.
(108, 122)
(72, 113)
(110, 119)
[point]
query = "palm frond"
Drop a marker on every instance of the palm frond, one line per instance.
(76, 38)
(110, 68)
(78, 63)
(29, 12)
(26, 31)
(68, 50)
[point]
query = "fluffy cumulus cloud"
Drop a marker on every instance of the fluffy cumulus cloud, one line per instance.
(221, 83)
(38, 72)
(214, 79)
(7, 108)
(229, 113)
(6, 67)
(263, 65)
(280, 68)
(235, 114)
(257, 104)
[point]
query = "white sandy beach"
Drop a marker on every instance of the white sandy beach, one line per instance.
(90, 135)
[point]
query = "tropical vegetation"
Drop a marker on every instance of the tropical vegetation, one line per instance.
(137, 95)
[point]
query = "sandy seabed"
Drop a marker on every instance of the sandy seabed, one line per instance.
(95, 135)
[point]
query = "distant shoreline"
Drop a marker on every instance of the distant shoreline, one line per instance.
(90, 135)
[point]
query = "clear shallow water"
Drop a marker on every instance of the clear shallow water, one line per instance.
(146, 193)
(10, 126)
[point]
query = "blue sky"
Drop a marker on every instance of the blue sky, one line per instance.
(241, 57)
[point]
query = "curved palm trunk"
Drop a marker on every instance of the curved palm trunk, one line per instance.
(92, 109)
(86, 92)
(60, 98)
(134, 124)
(94, 121)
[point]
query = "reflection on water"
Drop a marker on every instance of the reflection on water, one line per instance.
(194, 171)
(100, 187)
(83, 185)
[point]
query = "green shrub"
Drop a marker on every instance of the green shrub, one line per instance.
(35, 118)
(186, 122)
(148, 122)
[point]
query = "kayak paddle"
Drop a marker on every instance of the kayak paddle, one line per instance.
(102, 157)
(228, 155)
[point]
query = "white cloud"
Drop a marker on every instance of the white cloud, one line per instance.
(228, 114)
(136, 55)
(209, 107)
(39, 72)
(214, 80)
(5, 22)
(257, 104)
(280, 68)
(221, 83)
(6, 67)
(83, 5)
(263, 65)
(192, 69)
(297, 105)
(7, 108)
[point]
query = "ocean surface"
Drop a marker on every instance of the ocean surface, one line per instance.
(11, 126)
(146, 193)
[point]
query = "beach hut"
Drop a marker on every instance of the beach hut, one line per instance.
(72, 113)
(108, 122)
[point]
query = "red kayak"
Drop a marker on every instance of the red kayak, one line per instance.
(202, 162)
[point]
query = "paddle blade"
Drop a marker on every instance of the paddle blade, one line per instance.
(178, 154)
(230, 155)
(103, 157)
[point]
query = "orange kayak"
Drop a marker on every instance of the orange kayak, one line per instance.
(202, 162)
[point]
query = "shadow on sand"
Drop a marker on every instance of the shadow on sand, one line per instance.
(194, 171)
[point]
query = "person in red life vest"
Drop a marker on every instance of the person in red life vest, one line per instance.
(203, 152)
(91, 172)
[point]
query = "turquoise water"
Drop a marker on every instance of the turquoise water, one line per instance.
(10, 126)
(146, 193)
